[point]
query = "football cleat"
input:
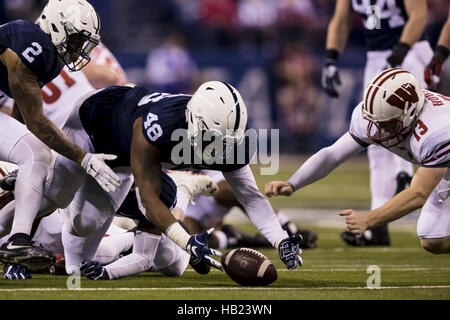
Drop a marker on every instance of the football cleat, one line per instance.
(360, 240)
(8, 181)
(195, 184)
(237, 238)
(59, 267)
(20, 250)
(403, 181)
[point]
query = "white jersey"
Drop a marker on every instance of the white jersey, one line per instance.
(59, 95)
(429, 143)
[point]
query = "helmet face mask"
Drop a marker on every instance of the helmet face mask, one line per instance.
(387, 133)
(73, 26)
(75, 52)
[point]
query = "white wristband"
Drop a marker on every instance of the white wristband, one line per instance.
(178, 235)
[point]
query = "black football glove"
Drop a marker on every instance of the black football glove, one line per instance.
(289, 251)
(93, 270)
(432, 72)
(399, 52)
(15, 272)
(330, 78)
(197, 248)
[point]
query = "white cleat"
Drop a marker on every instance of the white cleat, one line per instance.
(195, 184)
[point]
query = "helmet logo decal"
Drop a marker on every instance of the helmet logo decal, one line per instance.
(406, 93)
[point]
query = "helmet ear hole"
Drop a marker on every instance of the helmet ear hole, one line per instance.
(55, 29)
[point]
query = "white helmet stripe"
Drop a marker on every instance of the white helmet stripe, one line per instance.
(366, 102)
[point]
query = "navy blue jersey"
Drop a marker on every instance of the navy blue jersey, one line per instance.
(168, 195)
(109, 115)
(34, 47)
(383, 22)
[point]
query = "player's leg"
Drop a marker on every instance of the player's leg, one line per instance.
(86, 217)
(433, 226)
(170, 259)
(19, 146)
(113, 245)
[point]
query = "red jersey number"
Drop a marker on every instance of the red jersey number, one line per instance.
(53, 92)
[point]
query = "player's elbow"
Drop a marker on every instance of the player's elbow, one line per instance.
(420, 196)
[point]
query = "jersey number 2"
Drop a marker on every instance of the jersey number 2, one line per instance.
(30, 52)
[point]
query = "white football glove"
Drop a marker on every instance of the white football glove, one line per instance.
(95, 166)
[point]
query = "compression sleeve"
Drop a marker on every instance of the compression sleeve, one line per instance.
(325, 161)
(258, 209)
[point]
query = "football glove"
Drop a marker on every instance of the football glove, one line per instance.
(330, 78)
(15, 272)
(93, 270)
(399, 52)
(197, 247)
(432, 72)
(95, 166)
(289, 251)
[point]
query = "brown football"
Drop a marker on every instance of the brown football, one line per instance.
(249, 267)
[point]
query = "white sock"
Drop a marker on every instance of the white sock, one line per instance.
(144, 250)
(183, 199)
(221, 238)
(111, 247)
(282, 218)
(170, 259)
(73, 250)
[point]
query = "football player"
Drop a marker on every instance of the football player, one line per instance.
(394, 36)
(398, 116)
(31, 55)
(140, 126)
(432, 72)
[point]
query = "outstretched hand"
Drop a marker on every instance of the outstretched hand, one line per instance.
(278, 188)
(356, 222)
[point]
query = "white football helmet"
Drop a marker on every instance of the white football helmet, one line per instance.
(392, 102)
(216, 109)
(74, 27)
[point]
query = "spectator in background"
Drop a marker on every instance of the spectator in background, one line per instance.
(170, 67)
(297, 98)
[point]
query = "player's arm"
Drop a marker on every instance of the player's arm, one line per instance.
(412, 31)
(410, 199)
(433, 69)
(261, 214)
(146, 167)
(337, 35)
(339, 26)
(317, 166)
(28, 99)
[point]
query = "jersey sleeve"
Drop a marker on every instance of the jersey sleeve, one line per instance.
(35, 52)
(152, 128)
(435, 150)
(358, 127)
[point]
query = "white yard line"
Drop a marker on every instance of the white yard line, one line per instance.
(362, 269)
(222, 288)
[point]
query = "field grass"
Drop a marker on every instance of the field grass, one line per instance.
(331, 271)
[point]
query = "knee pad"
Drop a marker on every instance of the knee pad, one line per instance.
(82, 226)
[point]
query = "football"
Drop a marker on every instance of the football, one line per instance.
(249, 267)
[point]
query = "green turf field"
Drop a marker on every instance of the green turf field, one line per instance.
(332, 271)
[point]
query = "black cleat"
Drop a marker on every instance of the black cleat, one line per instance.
(8, 182)
(403, 181)
(200, 266)
(20, 250)
(359, 240)
(310, 237)
(237, 238)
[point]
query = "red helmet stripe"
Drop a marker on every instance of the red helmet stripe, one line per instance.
(379, 84)
(372, 84)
